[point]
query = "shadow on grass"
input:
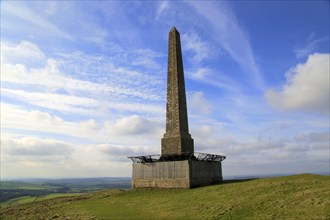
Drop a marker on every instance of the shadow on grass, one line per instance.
(226, 182)
(236, 181)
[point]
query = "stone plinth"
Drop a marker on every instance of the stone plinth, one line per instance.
(176, 174)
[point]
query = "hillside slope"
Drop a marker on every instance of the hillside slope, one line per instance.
(292, 197)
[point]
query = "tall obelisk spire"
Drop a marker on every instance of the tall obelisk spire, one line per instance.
(176, 140)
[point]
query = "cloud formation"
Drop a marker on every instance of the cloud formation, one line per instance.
(134, 125)
(102, 96)
(63, 84)
(162, 6)
(199, 48)
(230, 35)
(22, 51)
(309, 48)
(33, 146)
(29, 16)
(198, 103)
(307, 87)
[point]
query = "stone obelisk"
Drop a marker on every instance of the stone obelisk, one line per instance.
(176, 140)
(178, 166)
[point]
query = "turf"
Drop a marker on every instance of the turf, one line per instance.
(29, 199)
(292, 197)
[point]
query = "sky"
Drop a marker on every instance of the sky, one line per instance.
(83, 84)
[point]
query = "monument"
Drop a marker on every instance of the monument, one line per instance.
(177, 139)
(178, 166)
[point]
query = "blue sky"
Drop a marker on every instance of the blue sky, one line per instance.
(83, 84)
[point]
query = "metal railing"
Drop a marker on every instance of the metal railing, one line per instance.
(177, 157)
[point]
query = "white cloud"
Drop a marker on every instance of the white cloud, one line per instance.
(147, 59)
(19, 118)
(21, 51)
(59, 102)
(24, 12)
(306, 88)
(68, 83)
(254, 151)
(208, 76)
(201, 73)
(119, 130)
(131, 107)
(89, 127)
(52, 78)
(30, 156)
(265, 149)
(194, 43)
(134, 125)
(33, 146)
(162, 6)
(318, 141)
(198, 103)
(122, 151)
(205, 130)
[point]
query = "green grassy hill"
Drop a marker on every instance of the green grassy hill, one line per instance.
(292, 197)
(29, 199)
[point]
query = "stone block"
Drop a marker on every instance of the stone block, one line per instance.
(176, 174)
(177, 145)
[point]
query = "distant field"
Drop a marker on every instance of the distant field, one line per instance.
(22, 185)
(291, 197)
(29, 199)
(36, 188)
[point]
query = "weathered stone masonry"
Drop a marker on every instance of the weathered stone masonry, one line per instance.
(177, 139)
(178, 166)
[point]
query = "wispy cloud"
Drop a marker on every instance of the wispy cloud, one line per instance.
(162, 6)
(51, 8)
(23, 11)
(19, 118)
(210, 77)
(65, 86)
(147, 59)
(59, 102)
(20, 52)
(199, 48)
(228, 33)
(198, 103)
(308, 48)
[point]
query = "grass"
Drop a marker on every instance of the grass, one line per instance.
(292, 197)
(29, 199)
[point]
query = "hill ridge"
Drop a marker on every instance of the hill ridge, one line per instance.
(303, 196)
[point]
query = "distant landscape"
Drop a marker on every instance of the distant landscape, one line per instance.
(305, 196)
(19, 191)
(27, 190)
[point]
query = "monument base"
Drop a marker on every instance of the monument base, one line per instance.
(176, 174)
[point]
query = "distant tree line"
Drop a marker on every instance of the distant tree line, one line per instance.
(13, 189)
(7, 194)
